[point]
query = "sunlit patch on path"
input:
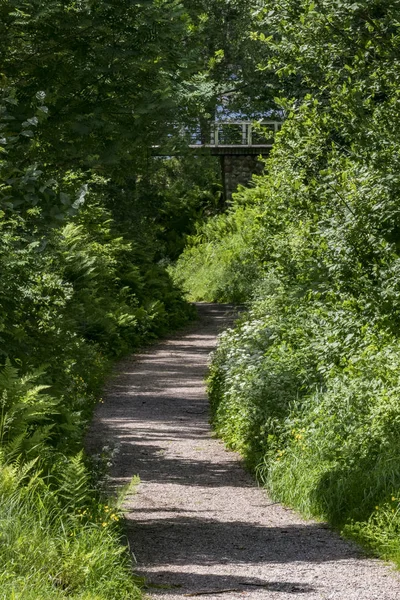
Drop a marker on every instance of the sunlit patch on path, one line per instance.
(199, 525)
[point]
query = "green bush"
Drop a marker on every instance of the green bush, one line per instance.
(77, 291)
(218, 264)
(60, 537)
(306, 386)
(310, 399)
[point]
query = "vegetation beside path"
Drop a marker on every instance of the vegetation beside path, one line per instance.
(307, 385)
(90, 222)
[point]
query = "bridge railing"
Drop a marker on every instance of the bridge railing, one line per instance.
(234, 133)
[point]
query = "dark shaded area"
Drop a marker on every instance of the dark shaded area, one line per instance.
(243, 542)
(350, 492)
(214, 583)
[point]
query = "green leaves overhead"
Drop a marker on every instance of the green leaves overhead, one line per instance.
(101, 65)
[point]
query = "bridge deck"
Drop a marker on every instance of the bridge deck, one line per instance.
(230, 150)
(223, 138)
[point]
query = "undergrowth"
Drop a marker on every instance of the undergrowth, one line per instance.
(59, 539)
(78, 290)
(67, 313)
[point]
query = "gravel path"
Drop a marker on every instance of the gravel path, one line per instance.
(199, 524)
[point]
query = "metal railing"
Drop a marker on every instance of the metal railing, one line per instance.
(234, 133)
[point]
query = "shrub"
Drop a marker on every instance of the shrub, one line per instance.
(306, 386)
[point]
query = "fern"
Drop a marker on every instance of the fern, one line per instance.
(126, 490)
(24, 413)
(74, 482)
(12, 477)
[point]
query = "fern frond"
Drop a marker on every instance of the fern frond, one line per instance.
(74, 481)
(14, 449)
(127, 490)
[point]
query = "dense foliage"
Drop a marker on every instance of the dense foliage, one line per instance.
(89, 218)
(307, 385)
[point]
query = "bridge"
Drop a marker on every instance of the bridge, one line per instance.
(238, 143)
(234, 137)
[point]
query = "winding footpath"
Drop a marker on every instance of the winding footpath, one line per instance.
(199, 526)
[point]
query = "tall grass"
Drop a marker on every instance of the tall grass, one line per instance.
(322, 437)
(57, 545)
(72, 301)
